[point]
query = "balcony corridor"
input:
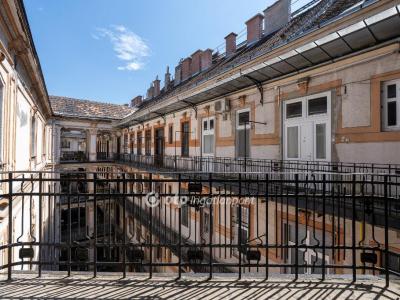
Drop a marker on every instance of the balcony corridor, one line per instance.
(134, 286)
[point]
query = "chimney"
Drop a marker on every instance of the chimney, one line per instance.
(230, 44)
(195, 66)
(276, 16)
(186, 68)
(156, 85)
(254, 28)
(178, 74)
(135, 102)
(150, 92)
(206, 59)
(167, 79)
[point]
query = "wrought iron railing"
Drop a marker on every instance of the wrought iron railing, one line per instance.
(229, 165)
(265, 223)
(104, 156)
(73, 156)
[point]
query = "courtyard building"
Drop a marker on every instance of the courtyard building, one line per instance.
(278, 155)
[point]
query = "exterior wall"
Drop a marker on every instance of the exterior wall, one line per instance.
(354, 85)
(22, 98)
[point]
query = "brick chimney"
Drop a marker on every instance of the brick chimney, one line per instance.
(276, 16)
(186, 68)
(150, 92)
(178, 74)
(167, 79)
(206, 59)
(254, 28)
(156, 85)
(230, 44)
(195, 66)
(135, 102)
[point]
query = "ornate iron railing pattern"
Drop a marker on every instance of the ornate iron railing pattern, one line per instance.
(260, 223)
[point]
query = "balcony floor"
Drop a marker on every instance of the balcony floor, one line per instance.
(83, 285)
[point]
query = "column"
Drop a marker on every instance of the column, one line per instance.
(92, 143)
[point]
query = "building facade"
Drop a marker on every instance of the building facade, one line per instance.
(306, 99)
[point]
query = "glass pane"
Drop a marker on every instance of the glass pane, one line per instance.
(205, 125)
(392, 113)
(294, 110)
(320, 131)
(244, 117)
(242, 143)
(208, 146)
(211, 124)
(317, 106)
(293, 142)
(391, 91)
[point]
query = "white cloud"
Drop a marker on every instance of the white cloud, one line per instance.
(128, 46)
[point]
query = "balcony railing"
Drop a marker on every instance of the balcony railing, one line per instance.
(271, 223)
(104, 156)
(230, 165)
(73, 156)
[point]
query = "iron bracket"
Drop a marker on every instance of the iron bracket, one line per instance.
(258, 85)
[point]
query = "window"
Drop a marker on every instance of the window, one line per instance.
(132, 142)
(44, 141)
(170, 134)
(292, 142)
(317, 106)
(185, 135)
(208, 136)
(243, 133)
(33, 136)
(307, 128)
(125, 143)
(206, 222)
(65, 143)
(1, 118)
(185, 210)
(294, 110)
(139, 143)
(147, 142)
(320, 145)
(243, 118)
(391, 105)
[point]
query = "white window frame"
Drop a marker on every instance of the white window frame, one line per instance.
(384, 103)
(207, 132)
(239, 127)
(303, 119)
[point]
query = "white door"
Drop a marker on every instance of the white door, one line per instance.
(208, 144)
(307, 128)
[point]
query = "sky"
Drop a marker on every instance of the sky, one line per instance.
(111, 50)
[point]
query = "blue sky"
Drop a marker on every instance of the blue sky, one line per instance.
(111, 50)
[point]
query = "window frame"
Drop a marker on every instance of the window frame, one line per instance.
(147, 142)
(384, 105)
(170, 134)
(139, 142)
(238, 112)
(207, 132)
(305, 119)
(186, 145)
(33, 136)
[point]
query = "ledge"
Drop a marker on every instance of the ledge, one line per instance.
(192, 286)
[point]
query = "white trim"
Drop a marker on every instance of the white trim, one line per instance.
(384, 103)
(207, 132)
(307, 128)
(237, 117)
